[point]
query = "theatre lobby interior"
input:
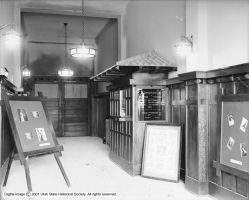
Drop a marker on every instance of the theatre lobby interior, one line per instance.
(124, 99)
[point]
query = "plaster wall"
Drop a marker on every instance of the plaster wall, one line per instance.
(107, 43)
(228, 33)
(220, 30)
(10, 57)
(155, 25)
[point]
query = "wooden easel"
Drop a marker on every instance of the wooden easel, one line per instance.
(24, 156)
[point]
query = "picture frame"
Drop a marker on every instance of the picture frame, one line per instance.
(161, 152)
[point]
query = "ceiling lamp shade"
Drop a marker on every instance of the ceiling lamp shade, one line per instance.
(26, 72)
(65, 70)
(82, 50)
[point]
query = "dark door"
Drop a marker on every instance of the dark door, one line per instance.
(67, 105)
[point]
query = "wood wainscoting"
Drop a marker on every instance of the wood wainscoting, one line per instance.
(101, 113)
(194, 101)
(67, 103)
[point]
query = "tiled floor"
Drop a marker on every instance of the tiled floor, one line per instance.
(91, 173)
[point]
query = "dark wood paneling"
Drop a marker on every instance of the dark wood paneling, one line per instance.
(192, 138)
(192, 142)
(229, 181)
(241, 186)
(76, 117)
(177, 112)
(53, 111)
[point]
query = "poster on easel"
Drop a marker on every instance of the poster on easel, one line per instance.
(234, 144)
(32, 131)
(161, 154)
(31, 125)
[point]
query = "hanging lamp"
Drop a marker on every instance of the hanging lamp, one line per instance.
(82, 50)
(26, 72)
(65, 71)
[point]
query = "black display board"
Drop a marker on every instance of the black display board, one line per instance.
(32, 131)
(234, 145)
(151, 104)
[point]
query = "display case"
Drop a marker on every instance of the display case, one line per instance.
(131, 107)
(137, 87)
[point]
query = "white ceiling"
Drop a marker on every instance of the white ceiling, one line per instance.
(43, 19)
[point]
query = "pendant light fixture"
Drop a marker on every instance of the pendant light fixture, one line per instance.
(65, 71)
(82, 50)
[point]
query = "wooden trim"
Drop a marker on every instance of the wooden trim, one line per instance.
(173, 81)
(147, 82)
(231, 170)
(192, 75)
(222, 193)
(193, 185)
(235, 97)
(228, 71)
(55, 149)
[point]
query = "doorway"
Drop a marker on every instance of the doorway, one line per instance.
(66, 101)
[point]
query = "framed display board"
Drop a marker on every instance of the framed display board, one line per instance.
(151, 104)
(32, 131)
(161, 154)
(234, 144)
(31, 124)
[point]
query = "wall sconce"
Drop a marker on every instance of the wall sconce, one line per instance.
(185, 46)
(11, 38)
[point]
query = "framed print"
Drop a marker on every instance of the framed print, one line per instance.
(161, 154)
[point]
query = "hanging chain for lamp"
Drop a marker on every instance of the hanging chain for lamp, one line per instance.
(65, 25)
(65, 71)
(82, 51)
(83, 21)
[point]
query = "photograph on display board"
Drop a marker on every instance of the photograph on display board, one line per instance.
(243, 124)
(22, 115)
(243, 149)
(230, 143)
(41, 134)
(230, 120)
(35, 114)
(29, 136)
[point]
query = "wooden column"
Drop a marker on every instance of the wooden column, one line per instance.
(61, 110)
(196, 177)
